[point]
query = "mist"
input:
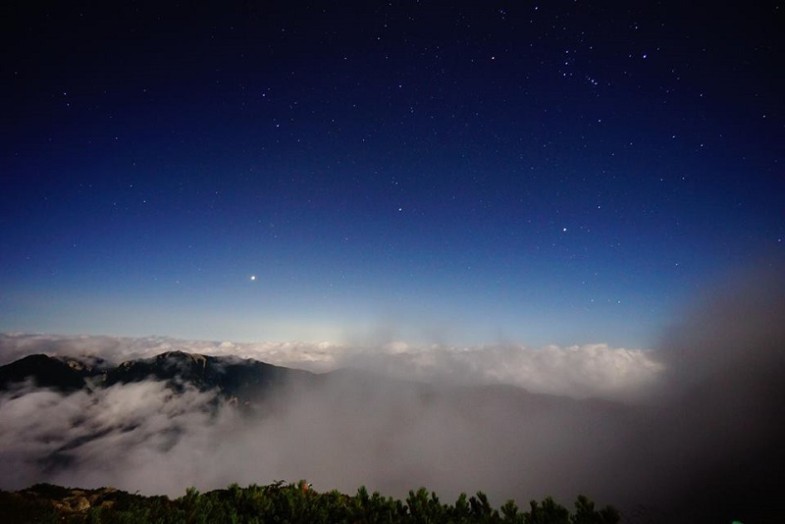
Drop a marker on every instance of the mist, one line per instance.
(586, 371)
(717, 429)
(691, 425)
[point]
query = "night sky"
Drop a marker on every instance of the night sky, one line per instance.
(537, 172)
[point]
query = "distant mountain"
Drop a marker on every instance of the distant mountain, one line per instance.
(43, 372)
(231, 377)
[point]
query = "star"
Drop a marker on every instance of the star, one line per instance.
(253, 277)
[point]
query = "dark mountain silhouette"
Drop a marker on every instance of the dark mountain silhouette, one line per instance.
(44, 372)
(231, 377)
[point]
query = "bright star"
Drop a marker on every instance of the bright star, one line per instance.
(253, 277)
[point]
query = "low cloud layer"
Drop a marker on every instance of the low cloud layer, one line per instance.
(594, 370)
(702, 434)
(118, 436)
(354, 430)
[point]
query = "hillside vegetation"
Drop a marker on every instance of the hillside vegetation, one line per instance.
(279, 502)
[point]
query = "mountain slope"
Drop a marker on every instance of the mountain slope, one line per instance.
(229, 376)
(44, 372)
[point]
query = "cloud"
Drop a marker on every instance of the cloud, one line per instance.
(719, 403)
(595, 370)
(460, 428)
(314, 357)
(701, 441)
(107, 436)
(347, 432)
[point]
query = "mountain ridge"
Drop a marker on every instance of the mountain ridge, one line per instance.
(231, 377)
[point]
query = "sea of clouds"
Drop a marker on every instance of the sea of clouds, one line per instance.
(693, 423)
(592, 370)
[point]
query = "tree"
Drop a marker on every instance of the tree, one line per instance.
(548, 512)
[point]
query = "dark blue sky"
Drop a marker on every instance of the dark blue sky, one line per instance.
(555, 172)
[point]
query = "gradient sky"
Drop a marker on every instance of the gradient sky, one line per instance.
(554, 172)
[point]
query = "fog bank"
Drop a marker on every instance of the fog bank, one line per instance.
(700, 430)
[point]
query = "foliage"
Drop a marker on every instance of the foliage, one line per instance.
(282, 503)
